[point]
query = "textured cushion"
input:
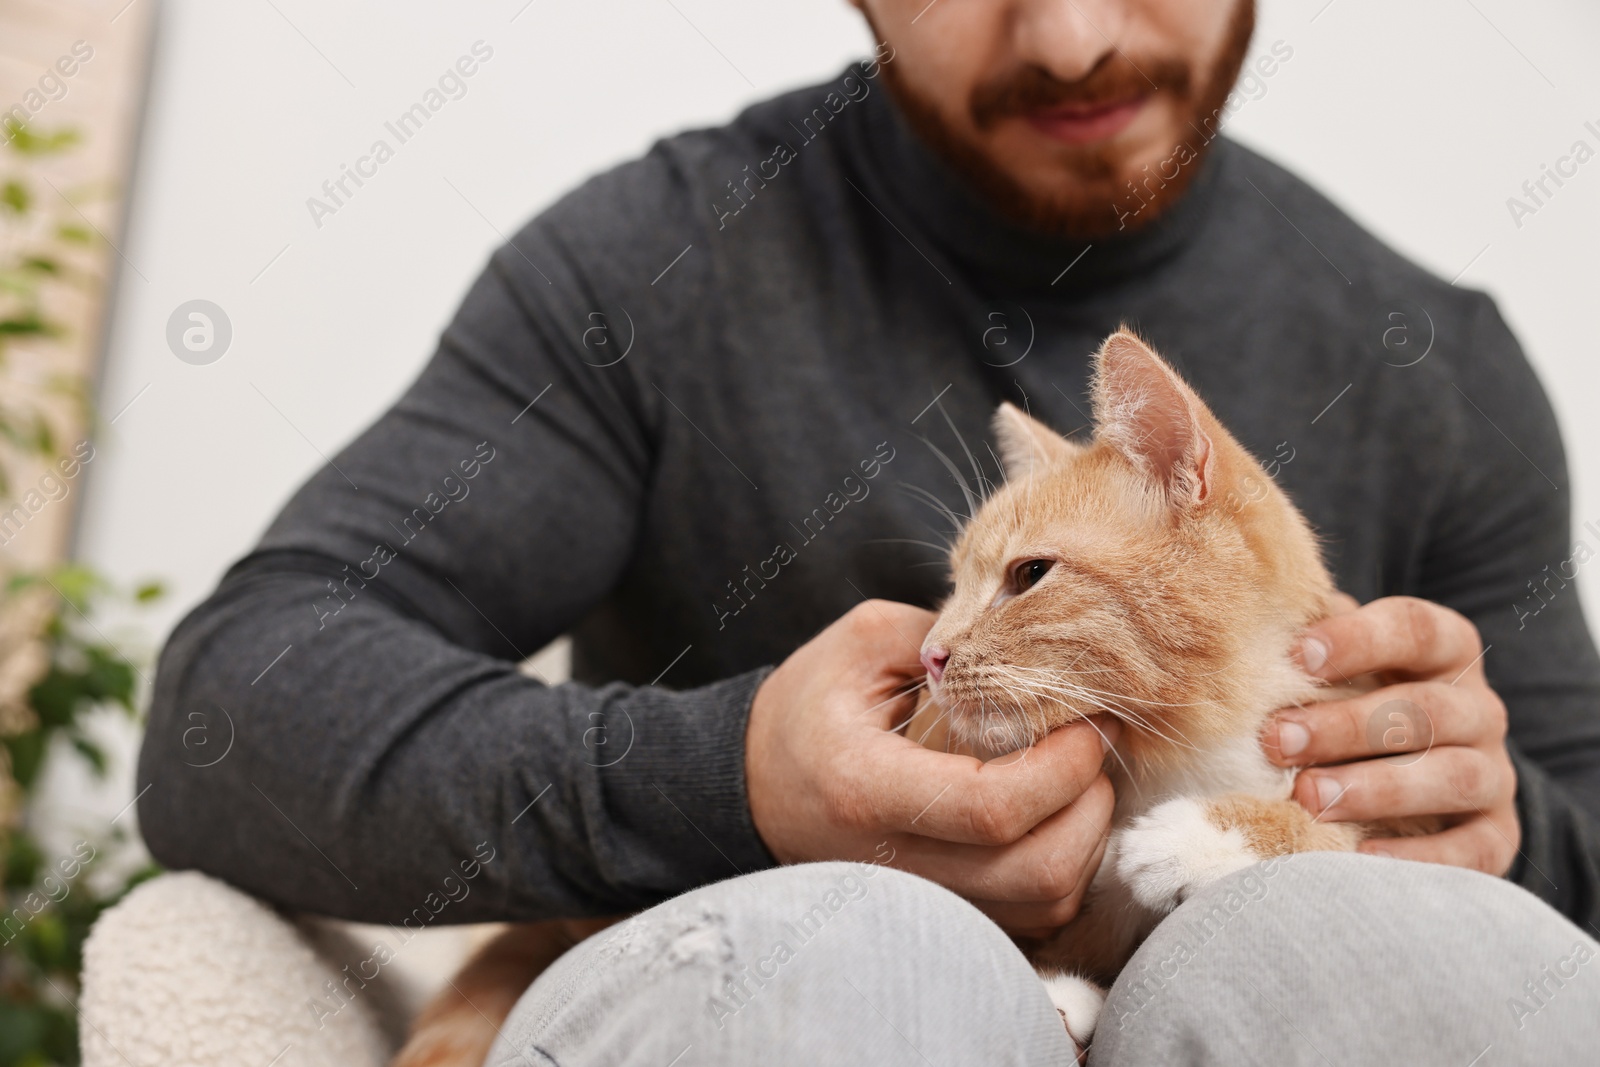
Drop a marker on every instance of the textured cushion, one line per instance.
(190, 972)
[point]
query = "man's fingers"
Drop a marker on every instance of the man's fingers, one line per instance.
(1343, 602)
(1449, 780)
(1409, 717)
(885, 642)
(1477, 843)
(1407, 637)
(1044, 867)
(1040, 920)
(962, 799)
(888, 634)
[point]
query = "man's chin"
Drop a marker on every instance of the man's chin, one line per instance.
(1074, 192)
(1087, 196)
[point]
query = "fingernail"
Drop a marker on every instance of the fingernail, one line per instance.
(1385, 853)
(1328, 791)
(1313, 653)
(1292, 738)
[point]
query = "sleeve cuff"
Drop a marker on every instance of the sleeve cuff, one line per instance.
(682, 782)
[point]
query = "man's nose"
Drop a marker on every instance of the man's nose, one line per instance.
(934, 658)
(1068, 39)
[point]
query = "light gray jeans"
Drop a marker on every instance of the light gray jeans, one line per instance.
(1318, 959)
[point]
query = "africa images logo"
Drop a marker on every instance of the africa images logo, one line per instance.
(199, 332)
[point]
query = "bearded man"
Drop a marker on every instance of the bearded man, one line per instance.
(700, 415)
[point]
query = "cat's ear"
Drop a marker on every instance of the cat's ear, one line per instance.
(1146, 412)
(1026, 444)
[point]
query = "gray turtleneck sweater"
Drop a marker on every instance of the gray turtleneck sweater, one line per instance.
(710, 400)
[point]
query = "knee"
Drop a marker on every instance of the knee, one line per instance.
(807, 898)
(1351, 899)
(733, 938)
(1351, 894)
(839, 885)
(790, 965)
(825, 909)
(1323, 928)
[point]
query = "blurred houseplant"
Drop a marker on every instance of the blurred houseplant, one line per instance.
(56, 666)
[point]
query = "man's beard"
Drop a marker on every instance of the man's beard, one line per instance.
(1096, 196)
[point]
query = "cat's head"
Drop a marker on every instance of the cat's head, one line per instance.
(1156, 574)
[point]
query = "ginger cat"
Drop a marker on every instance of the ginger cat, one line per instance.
(1157, 575)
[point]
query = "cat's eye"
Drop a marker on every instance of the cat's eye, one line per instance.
(1026, 574)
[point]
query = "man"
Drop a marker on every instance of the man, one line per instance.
(703, 408)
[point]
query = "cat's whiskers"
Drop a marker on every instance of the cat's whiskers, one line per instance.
(942, 549)
(998, 730)
(972, 499)
(985, 487)
(1128, 715)
(1034, 690)
(1022, 725)
(900, 694)
(1114, 704)
(1127, 771)
(989, 730)
(1000, 464)
(1136, 719)
(1118, 696)
(1090, 721)
(923, 496)
(1069, 669)
(944, 713)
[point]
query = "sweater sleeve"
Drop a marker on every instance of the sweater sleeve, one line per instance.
(1502, 552)
(342, 726)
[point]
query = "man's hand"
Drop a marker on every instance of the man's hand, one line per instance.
(1019, 836)
(1430, 742)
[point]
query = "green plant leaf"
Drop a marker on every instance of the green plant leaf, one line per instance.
(27, 755)
(15, 195)
(109, 677)
(55, 700)
(29, 323)
(23, 1030)
(78, 584)
(19, 282)
(23, 859)
(26, 141)
(93, 753)
(27, 430)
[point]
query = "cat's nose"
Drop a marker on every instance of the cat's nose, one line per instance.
(933, 660)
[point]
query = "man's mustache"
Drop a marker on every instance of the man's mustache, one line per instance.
(1114, 79)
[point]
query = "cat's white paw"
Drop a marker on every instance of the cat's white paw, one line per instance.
(1173, 850)
(1078, 1000)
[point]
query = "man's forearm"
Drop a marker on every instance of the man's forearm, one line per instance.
(362, 765)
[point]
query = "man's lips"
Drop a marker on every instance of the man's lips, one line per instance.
(1087, 123)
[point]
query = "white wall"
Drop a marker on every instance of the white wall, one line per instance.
(1420, 118)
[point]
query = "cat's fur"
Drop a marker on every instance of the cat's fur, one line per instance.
(1180, 575)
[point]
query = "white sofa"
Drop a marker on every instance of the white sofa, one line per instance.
(190, 972)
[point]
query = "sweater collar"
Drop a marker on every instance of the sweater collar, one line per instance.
(911, 183)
